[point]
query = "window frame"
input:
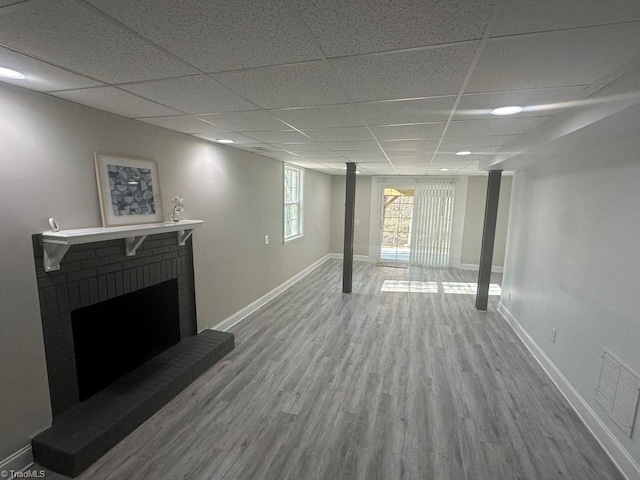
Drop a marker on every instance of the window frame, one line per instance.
(298, 201)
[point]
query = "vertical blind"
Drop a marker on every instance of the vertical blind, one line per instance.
(432, 223)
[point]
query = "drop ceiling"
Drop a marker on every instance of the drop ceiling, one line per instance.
(397, 87)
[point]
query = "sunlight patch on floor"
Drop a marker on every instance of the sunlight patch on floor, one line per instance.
(449, 288)
(409, 286)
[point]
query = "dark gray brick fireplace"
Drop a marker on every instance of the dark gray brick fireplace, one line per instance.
(89, 274)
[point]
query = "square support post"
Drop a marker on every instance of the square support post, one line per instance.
(349, 218)
(488, 238)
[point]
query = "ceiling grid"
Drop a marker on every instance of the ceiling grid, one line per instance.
(398, 88)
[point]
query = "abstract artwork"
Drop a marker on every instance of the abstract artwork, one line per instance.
(129, 190)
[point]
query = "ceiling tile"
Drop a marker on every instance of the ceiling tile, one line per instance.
(347, 134)
(409, 132)
(423, 73)
(321, 117)
(41, 76)
(554, 59)
(349, 146)
(116, 101)
(236, 137)
(256, 147)
(372, 166)
(72, 35)
(280, 136)
(301, 147)
(373, 154)
(453, 159)
(298, 85)
(338, 167)
(472, 166)
(412, 161)
(451, 152)
(498, 126)
(525, 16)
(468, 143)
(410, 155)
(307, 164)
(247, 121)
(382, 170)
(217, 35)
(360, 160)
(318, 154)
(546, 101)
(195, 94)
(402, 145)
(184, 124)
(348, 28)
(407, 111)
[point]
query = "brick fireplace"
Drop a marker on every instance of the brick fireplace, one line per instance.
(89, 420)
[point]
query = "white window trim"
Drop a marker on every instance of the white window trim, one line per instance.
(293, 238)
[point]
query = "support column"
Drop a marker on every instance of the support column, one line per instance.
(349, 217)
(488, 238)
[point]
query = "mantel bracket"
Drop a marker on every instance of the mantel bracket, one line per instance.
(131, 244)
(53, 255)
(183, 236)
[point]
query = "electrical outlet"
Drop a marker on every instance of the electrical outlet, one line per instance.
(357, 222)
(266, 239)
(318, 224)
(554, 332)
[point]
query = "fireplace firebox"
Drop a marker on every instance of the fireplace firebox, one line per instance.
(113, 337)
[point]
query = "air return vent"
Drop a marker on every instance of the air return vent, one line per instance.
(618, 391)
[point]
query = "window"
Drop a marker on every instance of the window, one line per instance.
(293, 182)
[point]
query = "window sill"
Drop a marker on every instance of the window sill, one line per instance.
(293, 239)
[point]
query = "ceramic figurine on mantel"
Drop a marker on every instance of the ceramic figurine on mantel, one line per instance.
(178, 208)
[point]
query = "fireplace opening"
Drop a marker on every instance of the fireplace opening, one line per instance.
(113, 337)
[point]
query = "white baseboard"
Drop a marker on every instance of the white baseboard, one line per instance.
(20, 460)
(243, 313)
(357, 258)
(475, 267)
(616, 451)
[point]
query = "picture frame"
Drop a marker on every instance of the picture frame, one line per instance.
(129, 190)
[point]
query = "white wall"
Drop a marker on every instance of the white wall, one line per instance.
(573, 259)
(46, 169)
(362, 214)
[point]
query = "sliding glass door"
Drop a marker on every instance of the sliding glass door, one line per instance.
(432, 223)
(417, 222)
(397, 215)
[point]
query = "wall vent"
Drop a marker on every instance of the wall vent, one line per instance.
(618, 391)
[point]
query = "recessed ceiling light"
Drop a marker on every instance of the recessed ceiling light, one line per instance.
(223, 140)
(510, 110)
(463, 153)
(10, 73)
(444, 169)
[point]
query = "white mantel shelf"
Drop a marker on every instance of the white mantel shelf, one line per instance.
(56, 244)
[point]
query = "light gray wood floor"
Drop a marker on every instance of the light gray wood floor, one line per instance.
(373, 385)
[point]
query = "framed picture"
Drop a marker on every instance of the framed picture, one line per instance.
(129, 190)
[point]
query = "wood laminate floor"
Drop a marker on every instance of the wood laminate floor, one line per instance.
(373, 385)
